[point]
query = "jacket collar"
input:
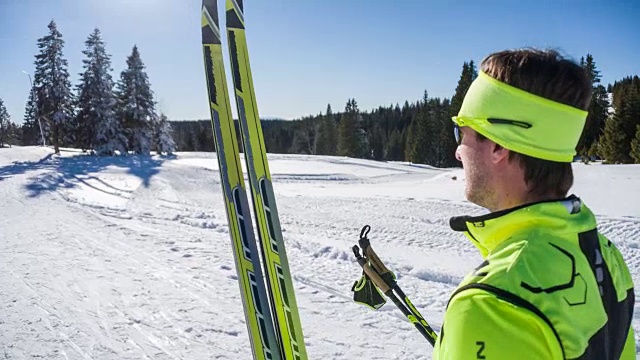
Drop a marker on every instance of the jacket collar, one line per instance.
(489, 231)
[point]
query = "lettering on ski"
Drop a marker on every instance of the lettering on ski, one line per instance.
(276, 265)
(253, 292)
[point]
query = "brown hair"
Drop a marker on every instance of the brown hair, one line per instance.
(544, 73)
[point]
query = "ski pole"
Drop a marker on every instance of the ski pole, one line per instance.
(384, 280)
(388, 291)
(387, 276)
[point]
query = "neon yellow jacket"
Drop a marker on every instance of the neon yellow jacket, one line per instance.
(551, 287)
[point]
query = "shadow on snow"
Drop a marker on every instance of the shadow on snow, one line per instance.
(68, 172)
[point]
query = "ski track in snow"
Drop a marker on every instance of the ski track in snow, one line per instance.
(130, 258)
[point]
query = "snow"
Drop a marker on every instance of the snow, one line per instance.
(130, 257)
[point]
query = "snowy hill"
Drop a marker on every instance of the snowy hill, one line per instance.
(130, 258)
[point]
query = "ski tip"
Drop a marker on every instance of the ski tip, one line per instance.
(235, 14)
(211, 6)
(210, 24)
(238, 4)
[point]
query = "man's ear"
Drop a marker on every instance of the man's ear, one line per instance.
(499, 154)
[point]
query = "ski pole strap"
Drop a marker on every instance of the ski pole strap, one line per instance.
(365, 292)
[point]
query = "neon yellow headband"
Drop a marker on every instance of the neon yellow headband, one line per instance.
(521, 121)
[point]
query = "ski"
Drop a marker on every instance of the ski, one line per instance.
(276, 266)
(264, 342)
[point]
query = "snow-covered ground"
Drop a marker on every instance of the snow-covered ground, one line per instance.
(130, 258)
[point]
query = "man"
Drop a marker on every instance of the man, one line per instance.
(551, 286)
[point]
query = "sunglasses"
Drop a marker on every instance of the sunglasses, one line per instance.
(458, 133)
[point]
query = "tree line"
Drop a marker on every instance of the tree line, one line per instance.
(421, 131)
(107, 118)
(102, 116)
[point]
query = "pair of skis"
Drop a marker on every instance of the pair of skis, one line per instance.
(268, 297)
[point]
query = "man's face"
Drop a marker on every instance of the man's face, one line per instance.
(475, 156)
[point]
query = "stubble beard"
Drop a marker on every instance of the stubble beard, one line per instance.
(478, 189)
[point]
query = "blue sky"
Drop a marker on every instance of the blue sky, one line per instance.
(308, 53)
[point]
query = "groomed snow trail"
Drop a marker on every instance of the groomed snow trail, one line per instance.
(130, 258)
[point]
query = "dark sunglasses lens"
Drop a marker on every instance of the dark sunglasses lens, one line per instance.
(457, 133)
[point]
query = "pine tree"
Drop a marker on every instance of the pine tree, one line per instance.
(30, 130)
(98, 127)
(620, 129)
(136, 107)
(469, 73)
(349, 134)
(598, 111)
(4, 124)
(635, 146)
(612, 141)
(418, 151)
(363, 147)
(632, 117)
(422, 147)
(376, 143)
(204, 137)
(52, 86)
(409, 144)
(407, 113)
(447, 144)
(13, 134)
(163, 136)
(620, 87)
(394, 147)
(326, 139)
(303, 137)
(304, 140)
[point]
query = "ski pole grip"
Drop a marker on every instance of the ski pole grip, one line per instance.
(373, 275)
(375, 260)
(368, 252)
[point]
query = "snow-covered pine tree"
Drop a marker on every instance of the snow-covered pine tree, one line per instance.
(52, 86)
(136, 107)
(98, 127)
(163, 136)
